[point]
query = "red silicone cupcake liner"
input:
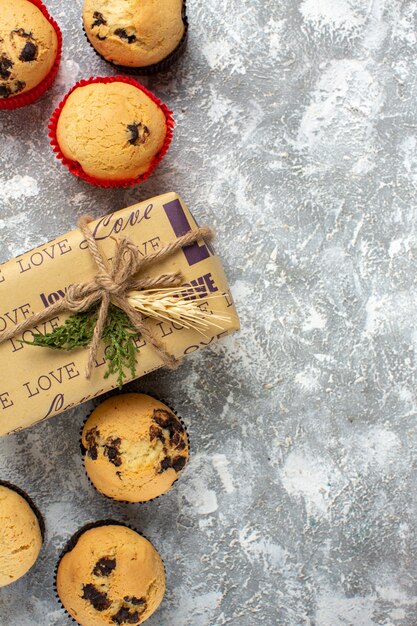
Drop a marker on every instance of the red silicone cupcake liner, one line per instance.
(76, 169)
(84, 451)
(23, 99)
(163, 65)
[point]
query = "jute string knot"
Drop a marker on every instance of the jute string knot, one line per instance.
(111, 284)
(105, 283)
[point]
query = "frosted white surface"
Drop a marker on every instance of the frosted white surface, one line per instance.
(296, 140)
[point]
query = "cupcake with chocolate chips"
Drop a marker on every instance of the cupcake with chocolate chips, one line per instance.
(110, 575)
(112, 132)
(21, 533)
(30, 50)
(144, 35)
(135, 448)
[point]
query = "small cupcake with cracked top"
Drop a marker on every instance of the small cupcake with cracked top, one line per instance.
(20, 534)
(30, 51)
(111, 575)
(135, 448)
(144, 35)
(112, 132)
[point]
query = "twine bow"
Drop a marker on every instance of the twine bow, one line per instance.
(112, 284)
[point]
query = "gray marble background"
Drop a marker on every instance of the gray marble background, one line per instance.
(296, 140)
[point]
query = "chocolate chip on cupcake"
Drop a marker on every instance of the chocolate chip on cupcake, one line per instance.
(20, 534)
(135, 447)
(111, 131)
(146, 35)
(29, 47)
(111, 575)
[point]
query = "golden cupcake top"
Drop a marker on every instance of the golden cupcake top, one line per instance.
(136, 447)
(28, 47)
(111, 576)
(20, 536)
(135, 33)
(113, 130)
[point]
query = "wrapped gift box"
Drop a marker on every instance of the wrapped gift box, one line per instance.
(36, 382)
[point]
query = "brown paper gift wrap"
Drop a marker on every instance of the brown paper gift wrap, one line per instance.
(37, 383)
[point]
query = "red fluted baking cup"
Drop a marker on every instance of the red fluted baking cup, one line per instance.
(75, 167)
(23, 99)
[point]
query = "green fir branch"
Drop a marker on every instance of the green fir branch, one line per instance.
(119, 337)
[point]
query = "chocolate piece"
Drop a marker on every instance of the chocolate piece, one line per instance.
(127, 615)
(99, 19)
(5, 91)
(182, 445)
(165, 464)
(98, 599)
(101, 38)
(91, 437)
(22, 33)
(19, 85)
(6, 65)
(92, 453)
(178, 463)
(120, 32)
(104, 566)
(133, 130)
(124, 616)
(168, 421)
(138, 133)
(177, 441)
(29, 52)
(112, 452)
(135, 601)
(156, 433)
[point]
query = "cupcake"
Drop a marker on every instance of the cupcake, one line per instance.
(111, 132)
(21, 534)
(146, 35)
(110, 575)
(135, 448)
(30, 51)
